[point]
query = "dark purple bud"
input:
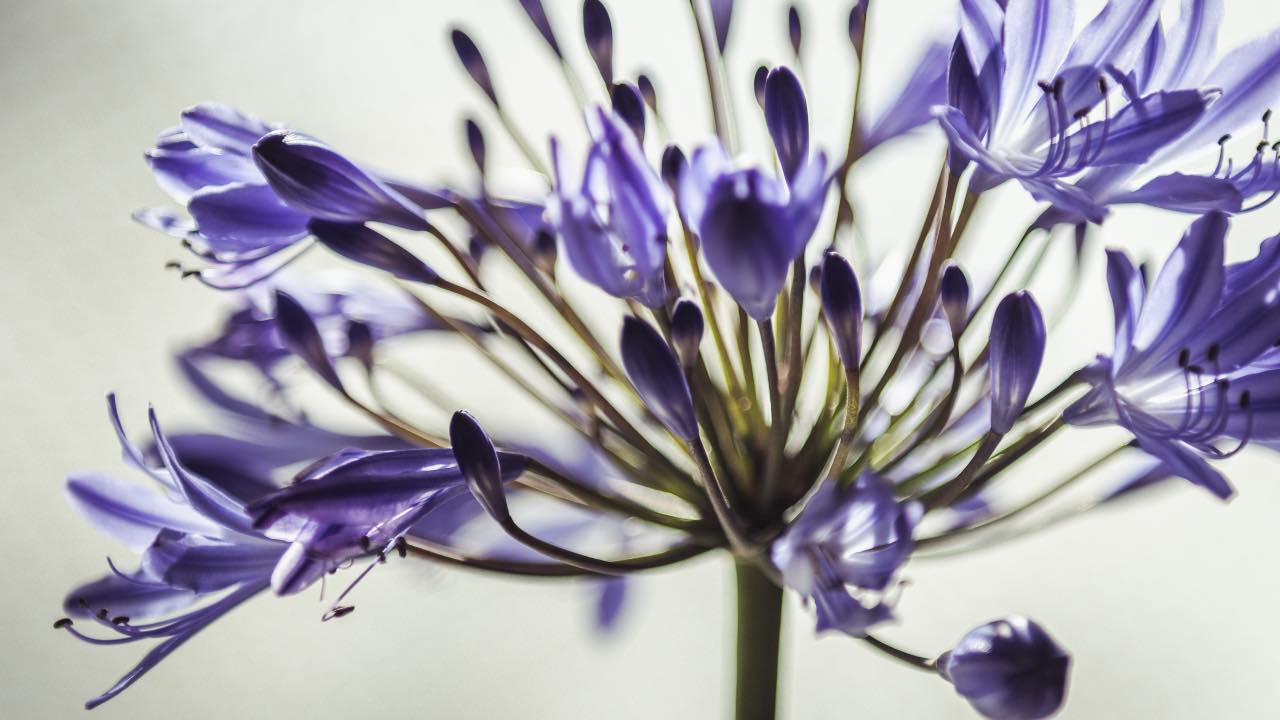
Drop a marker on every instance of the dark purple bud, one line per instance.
(628, 105)
(478, 461)
(475, 141)
(476, 247)
(370, 247)
(953, 293)
(1017, 348)
(301, 336)
(795, 31)
(655, 372)
(857, 18)
(787, 115)
(544, 250)
(687, 326)
(538, 16)
(758, 83)
(673, 166)
(473, 62)
(815, 279)
(360, 344)
(842, 307)
(313, 179)
(721, 15)
(1009, 669)
(648, 92)
(598, 32)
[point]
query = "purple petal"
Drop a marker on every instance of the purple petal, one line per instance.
(222, 127)
(747, 239)
(301, 336)
(1139, 130)
(687, 326)
(473, 62)
(204, 496)
(478, 461)
(597, 30)
(538, 16)
(1185, 193)
(242, 218)
(128, 596)
(205, 565)
(1191, 44)
(613, 595)
(721, 17)
(1035, 38)
(131, 514)
(182, 173)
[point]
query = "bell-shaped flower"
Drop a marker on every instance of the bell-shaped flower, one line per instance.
(614, 224)
(1008, 669)
(844, 549)
(1195, 361)
(1027, 101)
(752, 226)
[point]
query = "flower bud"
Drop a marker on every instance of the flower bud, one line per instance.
(370, 247)
(842, 308)
(758, 83)
(687, 326)
(953, 293)
(628, 105)
(1008, 669)
(475, 142)
(657, 377)
(795, 32)
(598, 32)
(538, 16)
(478, 461)
(673, 165)
(1017, 348)
(301, 336)
(648, 92)
(473, 62)
(787, 114)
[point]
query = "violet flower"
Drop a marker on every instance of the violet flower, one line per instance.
(1024, 97)
(1194, 363)
(843, 551)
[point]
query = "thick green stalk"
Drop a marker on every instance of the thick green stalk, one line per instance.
(759, 632)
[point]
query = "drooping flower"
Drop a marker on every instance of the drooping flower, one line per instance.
(1008, 669)
(1194, 362)
(843, 551)
(1023, 97)
(614, 224)
(1180, 58)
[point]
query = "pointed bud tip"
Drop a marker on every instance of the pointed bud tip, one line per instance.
(478, 460)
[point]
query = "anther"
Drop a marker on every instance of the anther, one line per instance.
(120, 620)
(1184, 356)
(1245, 398)
(62, 623)
(402, 547)
(364, 543)
(1213, 352)
(343, 610)
(1102, 84)
(1224, 139)
(85, 603)
(102, 614)
(382, 557)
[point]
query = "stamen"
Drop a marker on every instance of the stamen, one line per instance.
(120, 620)
(1222, 154)
(62, 623)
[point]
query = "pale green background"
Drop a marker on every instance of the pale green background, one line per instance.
(1168, 608)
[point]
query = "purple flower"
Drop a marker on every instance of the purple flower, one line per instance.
(614, 224)
(1180, 58)
(1194, 361)
(1008, 669)
(1024, 97)
(752, 226)
(912, 105)
(200, 555)
(241, 219)
(844, 549)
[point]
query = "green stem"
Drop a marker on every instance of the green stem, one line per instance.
(759, 632)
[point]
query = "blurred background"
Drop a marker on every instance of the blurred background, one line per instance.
(1166, 602)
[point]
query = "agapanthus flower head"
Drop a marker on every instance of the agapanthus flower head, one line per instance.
(1008, 669)
(1193, 370)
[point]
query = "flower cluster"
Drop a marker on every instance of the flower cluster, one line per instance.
(749, 399)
